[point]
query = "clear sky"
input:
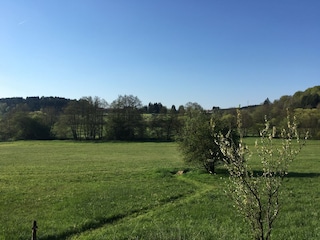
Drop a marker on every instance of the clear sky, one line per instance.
(222, 53)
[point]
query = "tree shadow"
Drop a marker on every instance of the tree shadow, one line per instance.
(302, 175)
(291, 174)
(224, 171)
(94, 224)
(102, 221)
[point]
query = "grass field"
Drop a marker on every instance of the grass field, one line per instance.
(131, 191)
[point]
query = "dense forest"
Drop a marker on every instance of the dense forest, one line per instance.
(92, 118)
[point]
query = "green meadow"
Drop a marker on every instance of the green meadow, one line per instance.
(118, 190)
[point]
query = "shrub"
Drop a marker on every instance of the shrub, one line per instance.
(256, 194)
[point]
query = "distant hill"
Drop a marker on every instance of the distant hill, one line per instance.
(310, 98)
(35, 103)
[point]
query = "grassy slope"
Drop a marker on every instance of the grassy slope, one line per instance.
(126, 190)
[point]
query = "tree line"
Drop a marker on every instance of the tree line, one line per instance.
(126, 118)
(89, 118)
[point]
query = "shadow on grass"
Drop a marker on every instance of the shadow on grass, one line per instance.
(302, 175)
(223, 171)
(94, 224)
(100, 222)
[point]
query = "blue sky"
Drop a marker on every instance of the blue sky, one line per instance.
(222, 53)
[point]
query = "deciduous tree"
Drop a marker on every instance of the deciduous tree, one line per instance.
(197, 139)
(255, 194)
(124, 119)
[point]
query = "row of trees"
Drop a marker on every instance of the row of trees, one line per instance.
(127, 119)
(91, 119)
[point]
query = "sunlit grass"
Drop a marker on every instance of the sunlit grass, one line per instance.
(69, 187)
(130, 191)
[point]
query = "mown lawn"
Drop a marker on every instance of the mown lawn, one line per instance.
(131, 191)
